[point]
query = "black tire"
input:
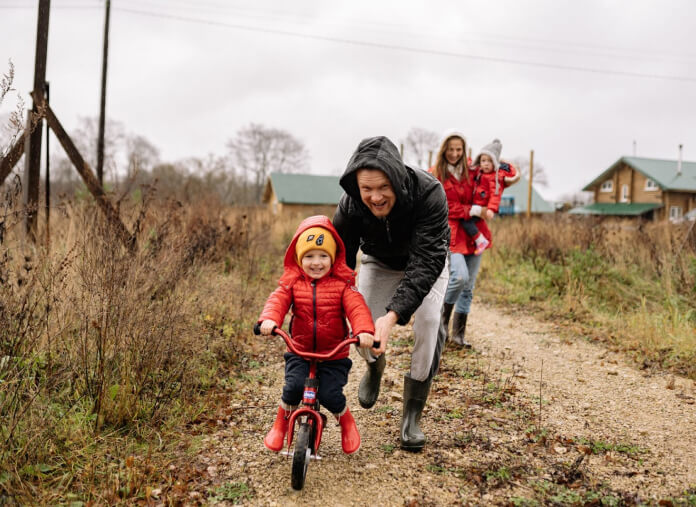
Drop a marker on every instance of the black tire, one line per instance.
(304, 446)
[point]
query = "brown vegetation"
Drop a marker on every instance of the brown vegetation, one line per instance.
(631, 284)
(103, 350)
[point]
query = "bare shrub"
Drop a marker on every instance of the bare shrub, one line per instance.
(96, 339)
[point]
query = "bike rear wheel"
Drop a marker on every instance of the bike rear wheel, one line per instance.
(304, 446)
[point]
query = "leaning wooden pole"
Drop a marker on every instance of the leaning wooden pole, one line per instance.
(529, 189)
(32, 167)
(12, 157)
(87, 176)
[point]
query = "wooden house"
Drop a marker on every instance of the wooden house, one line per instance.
(302, 194)
(643, 187)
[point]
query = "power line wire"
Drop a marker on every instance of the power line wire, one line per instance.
(396, 47)
(410, 49)
(496, 39)
(197, 4)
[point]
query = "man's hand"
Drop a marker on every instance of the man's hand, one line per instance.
(267, 326)
(489, 214)
(366, 340)
(383, 327)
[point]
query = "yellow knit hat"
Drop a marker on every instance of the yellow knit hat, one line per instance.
(315, 238)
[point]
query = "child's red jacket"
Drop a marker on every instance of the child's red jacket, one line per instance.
(319, 307)
(486, 192)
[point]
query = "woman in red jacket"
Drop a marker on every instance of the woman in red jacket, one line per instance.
(461, 183)
(319, 287)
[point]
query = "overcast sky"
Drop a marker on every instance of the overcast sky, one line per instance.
(576, 81)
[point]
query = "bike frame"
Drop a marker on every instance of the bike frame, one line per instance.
(310, 399)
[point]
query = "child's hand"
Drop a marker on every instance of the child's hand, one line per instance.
(489, 214)
(267, 326)
(366, 340)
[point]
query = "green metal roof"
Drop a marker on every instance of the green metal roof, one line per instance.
(616, 209)
(663, 172)
(306, 188)
(520, 193)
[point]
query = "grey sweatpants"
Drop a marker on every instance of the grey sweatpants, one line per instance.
(377, 283)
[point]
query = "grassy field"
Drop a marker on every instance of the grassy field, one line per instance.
(630, 285)
(110, 360)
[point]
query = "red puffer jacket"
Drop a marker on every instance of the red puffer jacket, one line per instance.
(460, 196)
(459, 199)
(319, 307)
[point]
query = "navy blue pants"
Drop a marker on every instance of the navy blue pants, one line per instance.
(332, 375)
(470, 226)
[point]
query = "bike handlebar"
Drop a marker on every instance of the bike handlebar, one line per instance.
(310, 355)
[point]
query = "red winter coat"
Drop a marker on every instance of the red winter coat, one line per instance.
(487, 194)
(319, 307)
(460, 197)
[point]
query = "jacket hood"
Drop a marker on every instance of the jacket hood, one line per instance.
(453, 133)
(339, 268)
(378, 153)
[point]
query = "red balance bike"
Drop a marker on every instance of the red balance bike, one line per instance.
(311, 421)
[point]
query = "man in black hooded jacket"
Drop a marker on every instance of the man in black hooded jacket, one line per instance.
(397, 216)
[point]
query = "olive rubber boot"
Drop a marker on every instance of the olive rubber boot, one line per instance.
(415, 394)
(459, 329)
(369, 384)
(446, 314)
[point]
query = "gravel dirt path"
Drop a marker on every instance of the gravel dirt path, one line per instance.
(607, 432)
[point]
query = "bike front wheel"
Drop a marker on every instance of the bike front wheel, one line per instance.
(304, 445)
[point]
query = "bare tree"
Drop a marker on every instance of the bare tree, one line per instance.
(141, 155)
(258, 151)
(539, 176)
(85, 138)
(418, 145)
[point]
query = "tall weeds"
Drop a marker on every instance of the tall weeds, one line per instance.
(100, 346)
(630, 283)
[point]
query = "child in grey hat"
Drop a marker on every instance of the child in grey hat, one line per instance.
(490, 178)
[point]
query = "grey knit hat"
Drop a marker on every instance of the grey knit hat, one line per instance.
(493, 150)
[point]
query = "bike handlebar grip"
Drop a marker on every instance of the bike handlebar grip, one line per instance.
(257, 329)
(375, 344)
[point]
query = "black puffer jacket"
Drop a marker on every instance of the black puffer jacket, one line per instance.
(413, 238)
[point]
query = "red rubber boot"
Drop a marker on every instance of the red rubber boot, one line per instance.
(275, 438)
(350, 437)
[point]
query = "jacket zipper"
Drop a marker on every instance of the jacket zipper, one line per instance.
(389, 238)
(314, 307)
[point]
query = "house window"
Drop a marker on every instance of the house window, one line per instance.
(624, 193)
(675, 212)
(650, 185)
(607, 186)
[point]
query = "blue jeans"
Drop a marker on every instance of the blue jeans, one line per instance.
(460, 288)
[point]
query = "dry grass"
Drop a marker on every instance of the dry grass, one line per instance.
(104, 351)
(631, 284)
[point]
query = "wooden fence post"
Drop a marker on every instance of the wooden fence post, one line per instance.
(529, 189)
(102, 107)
